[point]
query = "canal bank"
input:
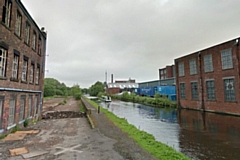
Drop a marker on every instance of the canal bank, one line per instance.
(125, 144)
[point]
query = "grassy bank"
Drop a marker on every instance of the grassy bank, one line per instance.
(144, 139)
(157, 101)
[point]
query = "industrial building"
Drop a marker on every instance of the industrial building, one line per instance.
(121, 85)
(22, 61)
(208, 79)
(167, 72)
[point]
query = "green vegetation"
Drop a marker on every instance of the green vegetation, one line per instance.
(81, 108)
(95, 89)
(53, 88)
(15, 129)
(3, 136)
(26, 123)
(144, 139)
(157, 101)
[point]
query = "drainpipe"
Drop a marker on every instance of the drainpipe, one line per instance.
(28, 91)
(177, 86)
(237, 55)
(201, 80)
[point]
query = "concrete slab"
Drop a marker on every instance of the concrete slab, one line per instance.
(27, 132)
(34, 154)
(14, 137)
(18, 151)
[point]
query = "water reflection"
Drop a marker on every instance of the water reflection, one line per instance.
(208, 135)
(199, 135)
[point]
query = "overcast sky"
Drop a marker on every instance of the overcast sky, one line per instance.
(128, 38)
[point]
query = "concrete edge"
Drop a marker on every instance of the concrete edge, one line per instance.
(88, 113)
(90, 121)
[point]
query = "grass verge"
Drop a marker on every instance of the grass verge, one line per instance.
(144, 139)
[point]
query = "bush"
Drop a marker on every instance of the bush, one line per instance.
(78, 96)
(26, 123)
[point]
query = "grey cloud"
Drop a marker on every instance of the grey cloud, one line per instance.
(128, 38)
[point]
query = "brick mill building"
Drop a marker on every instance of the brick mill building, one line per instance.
(22, 61)
(167, 72)
(208, 79)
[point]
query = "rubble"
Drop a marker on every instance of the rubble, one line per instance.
(62, 114)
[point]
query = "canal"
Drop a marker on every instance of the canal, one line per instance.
(198, 135)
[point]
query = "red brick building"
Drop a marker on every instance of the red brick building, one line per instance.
(22, 61)
(167, 72)
(209, 79)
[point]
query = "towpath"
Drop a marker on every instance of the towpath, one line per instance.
(73, 139)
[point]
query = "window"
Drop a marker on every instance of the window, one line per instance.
(27, 33)
(11, 115)
(31, 73)
(226, 57)
(34, 41)
(181, 69)
(22, 107)
(193, 67)
(194, 89)
(18, 24)
(182, 91)
(229, 90)
(24, 70)
(15, 67)
(39, 46)
(29, 105)
(37, 75)
(210, 90)
(208, 66)
(3, 60)
(6, 14)
(1, 110)
(36, 105)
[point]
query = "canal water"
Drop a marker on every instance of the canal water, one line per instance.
(201, 136)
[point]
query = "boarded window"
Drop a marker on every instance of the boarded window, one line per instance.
(12, 107)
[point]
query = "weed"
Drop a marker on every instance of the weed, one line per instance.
(15, 129)
(26, 123)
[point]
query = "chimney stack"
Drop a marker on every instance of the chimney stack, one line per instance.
(111, 78)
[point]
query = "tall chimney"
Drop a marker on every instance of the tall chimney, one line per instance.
(111, 78)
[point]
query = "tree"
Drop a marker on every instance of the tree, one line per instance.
(76, 92)
(54, 87)
(96, 88)
(49, 90)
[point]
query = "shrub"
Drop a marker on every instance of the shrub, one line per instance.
(26, 123)
(78, 96)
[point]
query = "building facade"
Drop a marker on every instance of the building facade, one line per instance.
(121, 86)
(167, 72)
(22, 61)
(208, 79)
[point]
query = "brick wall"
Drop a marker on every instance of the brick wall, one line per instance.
(218, 74)
(15, 44)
